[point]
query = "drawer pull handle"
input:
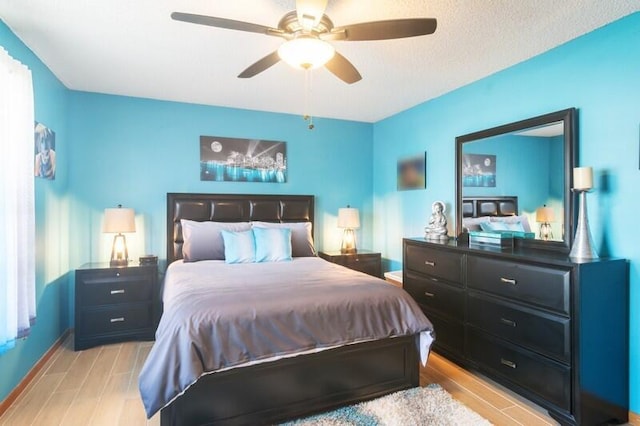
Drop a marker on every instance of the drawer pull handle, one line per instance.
(508, 363)
(121, 291)
(429, 263)
(121, 319)
(426, 293)
(508, 322)
(508, 280)
(117, 274)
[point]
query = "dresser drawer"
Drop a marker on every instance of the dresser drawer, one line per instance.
(449, 333)
(437, 263)
(435, 295)
(545, 287)
(545, 378)
(106, 290)
(544, 333)
(114, 320)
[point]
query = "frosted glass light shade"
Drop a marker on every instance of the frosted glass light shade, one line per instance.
(119, 220)
(348, 217)
(545, 214)
(306, 52)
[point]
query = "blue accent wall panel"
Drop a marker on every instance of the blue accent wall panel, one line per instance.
(599, 74)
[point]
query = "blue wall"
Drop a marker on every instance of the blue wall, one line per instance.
(599, 74)
(133, 151)
(52, 224)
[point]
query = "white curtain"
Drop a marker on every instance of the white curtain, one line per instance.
(17, 211)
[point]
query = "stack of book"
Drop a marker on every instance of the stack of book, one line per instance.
(501, 239)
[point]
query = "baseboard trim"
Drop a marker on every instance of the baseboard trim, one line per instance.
(15, 393)
(634, 418)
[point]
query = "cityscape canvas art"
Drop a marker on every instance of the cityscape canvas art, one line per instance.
(479, 170)
(224, 159)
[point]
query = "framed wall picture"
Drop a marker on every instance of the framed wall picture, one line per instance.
(45, 151)
(225, 159)
(478, 170)
(412, 172)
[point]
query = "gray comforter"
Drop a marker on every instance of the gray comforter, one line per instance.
(219, 316)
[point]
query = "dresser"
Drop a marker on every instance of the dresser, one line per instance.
(114, 304)
(549, 328)
(364, 261)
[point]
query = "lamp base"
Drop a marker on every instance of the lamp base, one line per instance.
(119, 252)
(348, 241)
(118, 262)
(583, 242)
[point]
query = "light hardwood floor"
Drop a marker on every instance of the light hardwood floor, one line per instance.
(99, 386)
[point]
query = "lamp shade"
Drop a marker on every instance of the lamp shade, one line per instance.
(306, 52)
(545, 215)
(583, 178)
(119, 220)
(348, 217)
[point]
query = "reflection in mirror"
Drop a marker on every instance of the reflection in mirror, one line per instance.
(530, 160)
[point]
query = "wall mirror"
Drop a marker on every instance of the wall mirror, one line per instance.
(519, 175)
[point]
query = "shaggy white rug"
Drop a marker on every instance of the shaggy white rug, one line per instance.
(430, 405)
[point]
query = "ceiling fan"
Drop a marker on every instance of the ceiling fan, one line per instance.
(307, 31)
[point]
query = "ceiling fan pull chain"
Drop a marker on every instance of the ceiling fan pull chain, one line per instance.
(308, 92)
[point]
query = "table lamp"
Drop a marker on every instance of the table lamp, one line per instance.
(582, 242)
(349, 219)
(544, 216)
(119, 220)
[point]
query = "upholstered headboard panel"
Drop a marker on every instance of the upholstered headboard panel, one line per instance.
(231, 208)
(489, 206)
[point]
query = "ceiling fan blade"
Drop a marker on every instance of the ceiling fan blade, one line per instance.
(309, 12)
(343, 69)
(383, 30)
(264, 63)
(228, 24)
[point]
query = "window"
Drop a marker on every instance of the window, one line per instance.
(17, 210)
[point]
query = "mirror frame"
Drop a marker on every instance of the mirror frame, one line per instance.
(569, 118)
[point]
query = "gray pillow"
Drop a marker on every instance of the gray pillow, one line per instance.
(203, 240)
(301, 237)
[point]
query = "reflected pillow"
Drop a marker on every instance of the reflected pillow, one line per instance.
(203, 240)
(522, 220)
(474, 223)
(502, 226)
(239, 247)
(301, 237)
(272, 244)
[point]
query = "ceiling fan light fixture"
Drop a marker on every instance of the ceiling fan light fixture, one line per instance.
(306, 52)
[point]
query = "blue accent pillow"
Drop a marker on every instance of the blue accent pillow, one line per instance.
(239, 247)
(272, 244)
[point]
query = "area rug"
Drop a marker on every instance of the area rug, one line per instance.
(430, 405)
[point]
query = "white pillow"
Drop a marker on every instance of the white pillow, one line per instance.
(239, 247)
(272, 244)
(474, 223)
(203, 240)
(301, 237)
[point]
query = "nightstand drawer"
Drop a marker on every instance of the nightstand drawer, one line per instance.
(545, 287)
(122, 289)
(367, 264)
(114, 320)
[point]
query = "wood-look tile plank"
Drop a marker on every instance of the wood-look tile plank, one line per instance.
(29, 404)
(528, 417)
(55, 408)
(80, 370)
(99, 374)
(112, 401)
(132, 413)
(81, 412)
(143, 352)
(126, 358)
(66, 357)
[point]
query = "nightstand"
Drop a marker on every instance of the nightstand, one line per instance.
(364, 261)
(114, 304)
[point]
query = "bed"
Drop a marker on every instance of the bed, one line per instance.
(273, 389)
(499, 212)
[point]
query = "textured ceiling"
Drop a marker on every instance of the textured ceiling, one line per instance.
(133, 48)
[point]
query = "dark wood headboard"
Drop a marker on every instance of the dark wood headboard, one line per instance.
(489, 206)
(231, 208)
